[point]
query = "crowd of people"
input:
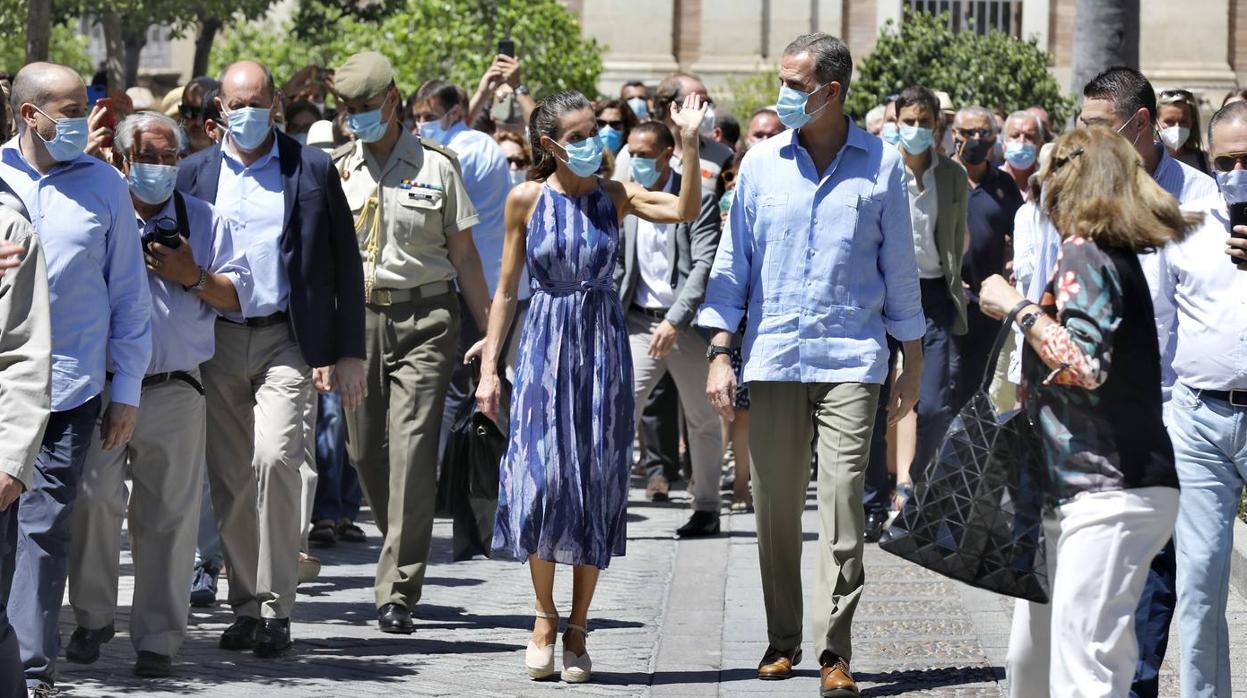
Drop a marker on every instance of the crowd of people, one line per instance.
(236, 315)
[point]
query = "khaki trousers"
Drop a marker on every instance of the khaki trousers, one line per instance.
(783, 421)
(259, 392)
(166, 463)
(688, 367)
(393, 435)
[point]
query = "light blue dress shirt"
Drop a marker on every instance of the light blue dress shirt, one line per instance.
(182, 325)
(252, 200)
(1184, 183)
(96, 279)
(486, 176)
(824, 265)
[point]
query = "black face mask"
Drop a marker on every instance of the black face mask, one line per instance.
(975, 151)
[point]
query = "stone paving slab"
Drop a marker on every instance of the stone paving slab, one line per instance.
(670, 619)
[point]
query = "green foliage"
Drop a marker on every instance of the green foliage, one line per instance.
(67, 47)
(745, 93)
(992, 70)
(424, 39)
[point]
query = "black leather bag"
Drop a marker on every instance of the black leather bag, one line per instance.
(976, 514)
(469, 478)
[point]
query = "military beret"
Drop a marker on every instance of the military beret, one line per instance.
(363, 75)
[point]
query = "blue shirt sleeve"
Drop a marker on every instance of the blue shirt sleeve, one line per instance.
(129, 302)
(729, 287)
(902, 300)
(229, 260)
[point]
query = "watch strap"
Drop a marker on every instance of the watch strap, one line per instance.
(201, 284)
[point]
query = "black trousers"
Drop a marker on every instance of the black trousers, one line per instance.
(661, 426)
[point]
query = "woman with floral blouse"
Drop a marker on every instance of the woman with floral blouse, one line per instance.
(1091, 384)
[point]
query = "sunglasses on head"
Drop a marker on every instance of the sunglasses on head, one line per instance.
(1226, 162)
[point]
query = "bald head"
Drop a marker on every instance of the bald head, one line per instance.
(54, 89)
(1227, 131)
(247, 84)
(42, 83)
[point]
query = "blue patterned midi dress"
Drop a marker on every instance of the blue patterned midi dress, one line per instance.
(564, 482)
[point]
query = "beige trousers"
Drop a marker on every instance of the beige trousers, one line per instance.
(688, 367)
(259, 393)
(165, 459)
(392, 437)
(784, 419)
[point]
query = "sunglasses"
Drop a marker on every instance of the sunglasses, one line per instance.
(1225, 163)
(617, 125)
(976, 132)
(518, 161)
(189, 112)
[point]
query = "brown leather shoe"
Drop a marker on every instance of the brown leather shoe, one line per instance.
(836, 681)
(777, 665)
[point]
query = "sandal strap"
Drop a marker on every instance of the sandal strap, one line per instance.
(581, 628)
(547, 616)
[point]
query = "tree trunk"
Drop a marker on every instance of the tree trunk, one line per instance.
(114, 51)
(208, 28)
(38, 30)
(134, 40)
(1106, 34)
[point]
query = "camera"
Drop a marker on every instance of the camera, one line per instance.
(166, 233)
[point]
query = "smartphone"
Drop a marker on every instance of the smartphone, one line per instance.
(1238, 216)
(95, 93)
(108, 119)
(506, 47)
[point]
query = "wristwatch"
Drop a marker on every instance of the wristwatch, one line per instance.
(715, 350)
(1028, 321)
(520, 90)
(201, 284)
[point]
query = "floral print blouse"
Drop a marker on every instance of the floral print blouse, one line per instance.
(1099, 412)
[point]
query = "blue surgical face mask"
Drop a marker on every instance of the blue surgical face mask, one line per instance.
(152, 184)
(584, 157)
(369, 126)
(433, 131)
(639, 106)
(791, 106)
(1020, 154)
(518, 177)
(70, 139)
(644, 171)
(1233, 186)
(612, 137)
(916, 140)
(249, 126)
(890, 133)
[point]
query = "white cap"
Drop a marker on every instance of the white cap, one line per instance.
(320, 135)
(142, 98)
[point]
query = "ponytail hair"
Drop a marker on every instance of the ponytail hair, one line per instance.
(545, 121)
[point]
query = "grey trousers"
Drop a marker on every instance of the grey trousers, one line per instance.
(166, 463)
(393, 435)
(259, 391)
(688, 367)
(784, 419)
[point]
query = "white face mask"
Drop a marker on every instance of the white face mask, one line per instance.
(1174, 137)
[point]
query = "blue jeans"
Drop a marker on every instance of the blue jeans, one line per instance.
(337, 487)
(937, 391)
(208, 539)
(34, 572)
(1210, 443)
(879, 487)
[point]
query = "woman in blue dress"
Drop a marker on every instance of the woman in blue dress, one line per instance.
(564, 481)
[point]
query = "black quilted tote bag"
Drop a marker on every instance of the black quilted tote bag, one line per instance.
(976, 513)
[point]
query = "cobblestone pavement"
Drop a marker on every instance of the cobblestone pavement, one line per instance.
(670, 619)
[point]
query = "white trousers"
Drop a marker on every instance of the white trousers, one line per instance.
(1082, 644)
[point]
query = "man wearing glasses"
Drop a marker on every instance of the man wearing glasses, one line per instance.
(194, 270)
(1121, 99)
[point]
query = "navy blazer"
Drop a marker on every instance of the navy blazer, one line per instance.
(318, 247)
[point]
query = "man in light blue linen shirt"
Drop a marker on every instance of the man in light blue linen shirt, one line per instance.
(100, 308)
(439, 112)
(819, 255)
(189, 284)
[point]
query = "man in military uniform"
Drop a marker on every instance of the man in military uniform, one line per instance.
(413, 220)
